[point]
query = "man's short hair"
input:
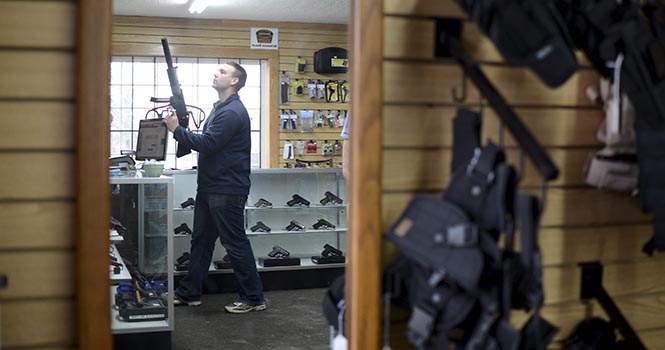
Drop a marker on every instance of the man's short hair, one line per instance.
(239, 73)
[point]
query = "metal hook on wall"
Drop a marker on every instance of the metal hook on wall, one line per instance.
(462, 98)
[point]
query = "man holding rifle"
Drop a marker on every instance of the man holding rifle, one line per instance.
(223, 186)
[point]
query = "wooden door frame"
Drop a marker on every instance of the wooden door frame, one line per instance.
(364, 244)
(92, 178)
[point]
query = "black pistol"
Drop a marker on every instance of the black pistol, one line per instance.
(278, 252)
(329, 251)
(177, 100)
(330, 198)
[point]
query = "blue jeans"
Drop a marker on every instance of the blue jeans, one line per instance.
(221, 216)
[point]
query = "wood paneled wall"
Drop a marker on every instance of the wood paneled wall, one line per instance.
(37, 158)
(579, 224)
(141, 36)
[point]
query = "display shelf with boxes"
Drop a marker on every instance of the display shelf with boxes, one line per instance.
(294, 218)
(141, 277)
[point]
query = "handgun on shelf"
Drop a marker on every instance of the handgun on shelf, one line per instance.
(329, 251)
(190, 202)
(278, 252)
(323, 224)
(183, 229)
(262, 203)
(261, 227)
(330, 198)
(295, 226)
(297, 201)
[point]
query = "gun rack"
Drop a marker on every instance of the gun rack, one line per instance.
(592, 288)
(448, 44)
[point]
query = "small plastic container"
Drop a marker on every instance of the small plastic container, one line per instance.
(153, 169)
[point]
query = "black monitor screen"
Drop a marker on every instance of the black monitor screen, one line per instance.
(151, 143)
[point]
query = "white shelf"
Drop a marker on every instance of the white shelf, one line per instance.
(285, 232)
(124, 274)
(184, 209)
(305, 264)
(121, 327)
(274, 207)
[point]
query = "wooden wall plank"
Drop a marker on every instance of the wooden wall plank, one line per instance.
(37, 175)
(429, 169)
(562, 208)
(413, 38)
(561, 246)
(446, 8)
(588, 206)
(37, 24)
(409, 82)
(36, 225)
(38, 323)
(37, 74)
(38, 274)
(38, 125)
(426, 126)
(620, 280)
(216, 24)
(644, 313)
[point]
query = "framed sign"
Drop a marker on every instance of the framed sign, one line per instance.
(264, 38)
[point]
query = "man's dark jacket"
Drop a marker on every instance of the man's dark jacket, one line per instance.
(224, 148)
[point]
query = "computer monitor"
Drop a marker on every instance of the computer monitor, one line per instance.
(152, 140)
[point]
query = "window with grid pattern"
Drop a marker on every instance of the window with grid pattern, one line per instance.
(134, 80)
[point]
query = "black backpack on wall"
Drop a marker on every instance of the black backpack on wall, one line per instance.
(331, 60)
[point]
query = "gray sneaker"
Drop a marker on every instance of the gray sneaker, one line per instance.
(177, 301)
(241, 307)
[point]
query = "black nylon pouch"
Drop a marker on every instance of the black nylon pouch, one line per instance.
(420, 234)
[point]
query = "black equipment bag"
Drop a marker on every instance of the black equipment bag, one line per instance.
(526, 33)
(331, 60)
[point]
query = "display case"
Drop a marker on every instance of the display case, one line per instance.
(141, 255)
(274, 217)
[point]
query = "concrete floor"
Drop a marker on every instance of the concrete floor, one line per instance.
(293, 321)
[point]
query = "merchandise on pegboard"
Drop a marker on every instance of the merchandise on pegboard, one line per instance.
(320, 119)
(306, 120)
(337, 148)
(311, 147)
(331, 118)
(301, 63)
(299, 87)
(300, 148)
(344, 91)
(288, 119)
(327, 148)
(332, 91)
(288, 150)
(311, 89)
(341, 118)
(320, 90)
(284, 89)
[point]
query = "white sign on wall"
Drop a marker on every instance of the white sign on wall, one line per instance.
(264, 38)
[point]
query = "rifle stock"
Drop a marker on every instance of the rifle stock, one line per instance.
(177, 100)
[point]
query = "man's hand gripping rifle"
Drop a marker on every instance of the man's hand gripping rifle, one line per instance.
(177, 100)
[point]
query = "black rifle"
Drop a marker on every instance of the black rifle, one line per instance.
(177, 100)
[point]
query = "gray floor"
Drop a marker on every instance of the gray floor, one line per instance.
(293, 320)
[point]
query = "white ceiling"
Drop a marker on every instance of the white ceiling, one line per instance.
(310, 11)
